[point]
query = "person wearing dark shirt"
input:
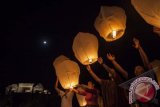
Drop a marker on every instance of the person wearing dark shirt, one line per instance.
(138, 70)
(112, 94)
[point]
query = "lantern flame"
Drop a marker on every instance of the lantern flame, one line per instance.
(90, 60)
(71, 87)
(114, 34)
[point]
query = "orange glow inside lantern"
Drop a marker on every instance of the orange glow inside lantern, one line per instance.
(81, 99)
(114, 34)
(90, 60)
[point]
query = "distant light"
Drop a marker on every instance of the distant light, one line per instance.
(44, 42)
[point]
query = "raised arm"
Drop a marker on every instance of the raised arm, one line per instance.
(156, 30)
(117, 66)
(86, 88)
(106, 67)
(143, 55)
(75, 90)
(81, 92)
(83, 86)
(60, 92)
(96, 78)
(56, 86)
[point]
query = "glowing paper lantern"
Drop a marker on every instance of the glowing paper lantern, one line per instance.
(85, 48)
(111, 23)
(81, 99)
(156, 66)
(149, 10)
(67, 72)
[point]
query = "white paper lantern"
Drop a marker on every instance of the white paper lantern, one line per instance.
(81, 99)
(85, 48)
(149, 10)
(67, 72)
(111, 23)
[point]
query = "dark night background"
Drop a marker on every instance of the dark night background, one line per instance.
(26, 24)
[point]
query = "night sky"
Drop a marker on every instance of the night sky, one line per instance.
(26, 24)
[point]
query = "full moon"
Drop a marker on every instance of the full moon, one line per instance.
(44, 42)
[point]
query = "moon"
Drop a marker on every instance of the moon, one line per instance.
(44, 42)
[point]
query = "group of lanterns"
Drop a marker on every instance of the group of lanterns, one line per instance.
(111, 25)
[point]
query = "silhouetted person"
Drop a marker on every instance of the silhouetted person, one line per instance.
(113, 95)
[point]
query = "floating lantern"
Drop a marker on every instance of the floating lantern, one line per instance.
(149, 10)
(111, 23)
(81, 99)
(67, 72)
(85, 48)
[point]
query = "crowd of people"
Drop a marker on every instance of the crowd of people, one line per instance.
(112, 94)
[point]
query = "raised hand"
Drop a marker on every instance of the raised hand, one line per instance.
(79, 85)
(136, 43)
(100, 60)
(156, 30)
(88, 68)
(56, 84)
(71, 89)
(110, 57)
(57, 80)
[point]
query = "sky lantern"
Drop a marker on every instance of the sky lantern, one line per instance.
(149, 10)
(67, 72)
(111, 23)
(85, 48)
(81, 99)
(156, 66)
